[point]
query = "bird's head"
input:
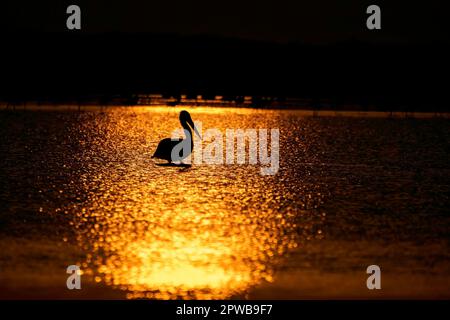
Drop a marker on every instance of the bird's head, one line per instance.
(185, 120)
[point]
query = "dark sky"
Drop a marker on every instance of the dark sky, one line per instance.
(312, 21)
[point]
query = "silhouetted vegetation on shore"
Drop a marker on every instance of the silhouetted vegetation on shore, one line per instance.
(109, 69)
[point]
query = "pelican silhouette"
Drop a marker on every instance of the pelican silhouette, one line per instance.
(178, 149)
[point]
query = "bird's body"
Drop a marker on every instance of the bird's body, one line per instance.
(165, 147)
(177, 149)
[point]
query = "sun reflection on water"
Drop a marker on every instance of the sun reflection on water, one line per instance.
(207, 232)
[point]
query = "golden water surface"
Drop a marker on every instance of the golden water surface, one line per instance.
(351, 191)
(169, 232)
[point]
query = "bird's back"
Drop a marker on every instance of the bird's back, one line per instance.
(164, 149)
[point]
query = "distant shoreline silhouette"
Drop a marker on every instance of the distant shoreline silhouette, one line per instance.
(106, 69)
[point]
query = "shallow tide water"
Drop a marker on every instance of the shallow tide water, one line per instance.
(81, 188)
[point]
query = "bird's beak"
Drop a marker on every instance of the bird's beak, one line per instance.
(191, 123)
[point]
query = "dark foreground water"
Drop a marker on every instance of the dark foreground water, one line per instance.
(81, 188)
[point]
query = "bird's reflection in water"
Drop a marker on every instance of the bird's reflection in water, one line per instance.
(202, 232)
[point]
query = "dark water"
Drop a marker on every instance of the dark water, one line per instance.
(80, 188)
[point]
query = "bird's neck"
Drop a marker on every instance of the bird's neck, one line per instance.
(189, 130)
